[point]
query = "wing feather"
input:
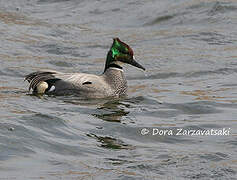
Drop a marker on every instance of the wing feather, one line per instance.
(80, 81)
(36, 77)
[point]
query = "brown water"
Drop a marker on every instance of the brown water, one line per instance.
(189, 48)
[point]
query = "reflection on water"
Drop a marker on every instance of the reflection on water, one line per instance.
(189, 51)
(110, 143)
(112, 111)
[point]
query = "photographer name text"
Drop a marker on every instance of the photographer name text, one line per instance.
(186, 132)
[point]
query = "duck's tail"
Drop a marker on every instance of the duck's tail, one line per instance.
(41, 81)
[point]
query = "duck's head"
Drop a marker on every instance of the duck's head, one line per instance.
(120, 53)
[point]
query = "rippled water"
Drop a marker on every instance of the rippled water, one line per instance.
(189, 48)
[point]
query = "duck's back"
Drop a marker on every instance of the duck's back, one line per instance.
(111, 83)
(82, 84)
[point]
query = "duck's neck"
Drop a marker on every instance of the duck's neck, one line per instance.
(116, 79)
(113, 74)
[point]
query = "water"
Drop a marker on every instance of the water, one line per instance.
(189, 50)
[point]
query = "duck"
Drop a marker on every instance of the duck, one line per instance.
(111, 83)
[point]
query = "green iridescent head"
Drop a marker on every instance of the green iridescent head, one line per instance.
(120, 53)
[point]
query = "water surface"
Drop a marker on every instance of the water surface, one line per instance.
(189, 49)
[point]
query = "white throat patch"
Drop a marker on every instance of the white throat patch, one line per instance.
(116, 69)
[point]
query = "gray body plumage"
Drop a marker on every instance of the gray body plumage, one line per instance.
(111, 83)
